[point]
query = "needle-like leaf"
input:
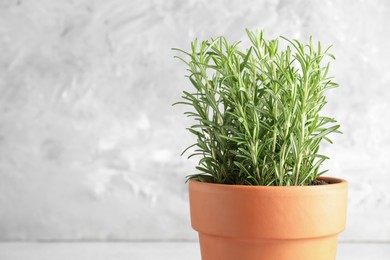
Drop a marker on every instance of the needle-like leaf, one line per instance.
(257, 111)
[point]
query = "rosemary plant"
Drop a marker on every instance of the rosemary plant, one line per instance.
(257, 111)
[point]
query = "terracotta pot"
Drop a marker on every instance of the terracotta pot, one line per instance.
(272, 223)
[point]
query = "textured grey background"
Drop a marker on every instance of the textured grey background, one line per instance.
(89, 142)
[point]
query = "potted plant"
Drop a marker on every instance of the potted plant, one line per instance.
(258, 193)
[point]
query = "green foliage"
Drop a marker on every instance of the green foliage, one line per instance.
(257, 112)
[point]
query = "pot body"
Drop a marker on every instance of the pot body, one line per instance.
(258, 222)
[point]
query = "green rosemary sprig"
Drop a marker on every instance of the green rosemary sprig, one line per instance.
(257, 112)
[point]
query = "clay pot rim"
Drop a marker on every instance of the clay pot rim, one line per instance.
(275, 212)
(334, 183)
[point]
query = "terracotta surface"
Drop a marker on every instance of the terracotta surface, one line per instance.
(257, 222)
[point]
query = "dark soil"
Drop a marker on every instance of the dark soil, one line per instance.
(318, 182)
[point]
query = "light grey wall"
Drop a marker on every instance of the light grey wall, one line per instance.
(89, 142)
